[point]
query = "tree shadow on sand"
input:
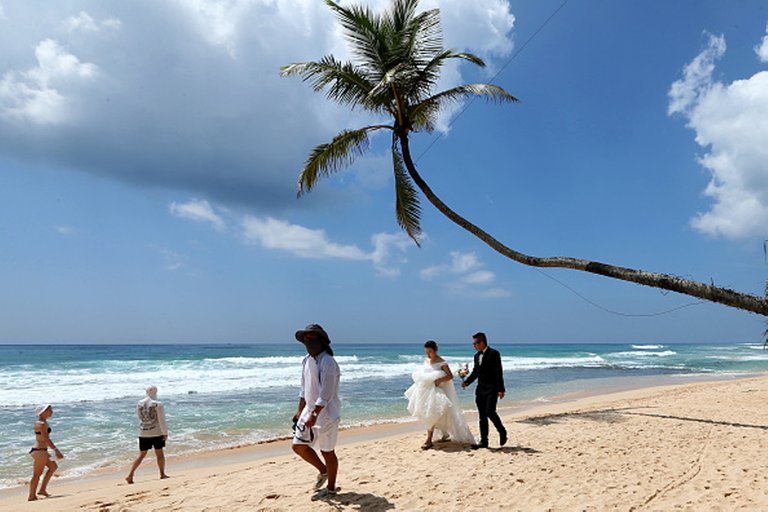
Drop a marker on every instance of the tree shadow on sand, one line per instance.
(358, 501)
(451, 447)
(604, 415)
(619, 415)
(512, 450)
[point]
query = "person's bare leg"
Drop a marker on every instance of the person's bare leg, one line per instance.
(135, 466)
(160, 454)
(332, 465)
(40, 459)
(52, 466)
(309, 455)
(428, 443)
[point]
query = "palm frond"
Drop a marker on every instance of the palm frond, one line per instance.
(407, 206)
(363, 30)
(422, 114)
(347, 83)
(327, 158)
(424, 37)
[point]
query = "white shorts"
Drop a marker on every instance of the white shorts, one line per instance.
(323, 437)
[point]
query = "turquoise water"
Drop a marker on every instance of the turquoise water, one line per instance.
(227, 395)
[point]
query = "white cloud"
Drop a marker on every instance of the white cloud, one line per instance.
(314, 243)
(384, 244)
(697, 77)
(218, 21)
(183, 89)
(198, 210)
(480, 277)
(460, 263)
(84, 22)
(463, 262)
(731, 121)
(173, 260)
(32, 95)
(762, 49)
(2, 13)
(303, 242)
(66, 230)
(464, 274)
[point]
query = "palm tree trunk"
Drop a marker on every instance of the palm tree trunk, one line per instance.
(712, 293)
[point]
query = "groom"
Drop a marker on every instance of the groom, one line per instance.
(490, 388)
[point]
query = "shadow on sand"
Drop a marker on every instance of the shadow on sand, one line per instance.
(359, 501)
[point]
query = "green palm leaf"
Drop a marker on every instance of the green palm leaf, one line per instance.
(327, 158)
(423, 115)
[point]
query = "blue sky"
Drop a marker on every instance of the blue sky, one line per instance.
(149, 153)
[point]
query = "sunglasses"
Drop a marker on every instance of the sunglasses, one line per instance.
(299, 432)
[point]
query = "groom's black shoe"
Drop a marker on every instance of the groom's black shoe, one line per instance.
(503, 438)
(479, 445)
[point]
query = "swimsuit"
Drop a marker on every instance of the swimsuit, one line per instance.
(39, 449)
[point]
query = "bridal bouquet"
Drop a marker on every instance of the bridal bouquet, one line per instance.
(463, 371)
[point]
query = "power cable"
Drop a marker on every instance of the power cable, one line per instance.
(509, 61)
(572, 290)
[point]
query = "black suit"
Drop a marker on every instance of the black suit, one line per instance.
(490, 382)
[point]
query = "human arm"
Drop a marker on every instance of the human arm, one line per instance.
(500, 376)
(302, 403)
(445, 378)
(42, 428)
(329, 388)
(161, 420)
(469, 379)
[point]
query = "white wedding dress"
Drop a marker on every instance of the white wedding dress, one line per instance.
(437, 406)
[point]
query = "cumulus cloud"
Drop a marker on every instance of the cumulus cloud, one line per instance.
(187, 95)
(33, 95)
(731, 122)
(762, 48)
(197, 210)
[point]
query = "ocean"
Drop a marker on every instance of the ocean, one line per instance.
(223, 395)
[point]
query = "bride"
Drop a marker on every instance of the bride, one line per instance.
(432, 399)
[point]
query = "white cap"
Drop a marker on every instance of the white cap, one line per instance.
(40, 409)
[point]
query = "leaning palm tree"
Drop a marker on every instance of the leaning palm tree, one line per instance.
(399, 54)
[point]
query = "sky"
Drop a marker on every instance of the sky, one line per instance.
(149, 155)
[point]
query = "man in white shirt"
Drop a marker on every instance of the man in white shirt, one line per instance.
(316, 422)
(153, 431)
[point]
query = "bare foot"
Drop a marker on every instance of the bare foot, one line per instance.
(163, 476)
(129, 479)
(32, 498)
(43, 493)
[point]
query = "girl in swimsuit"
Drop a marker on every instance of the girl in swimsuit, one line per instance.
(39, 453)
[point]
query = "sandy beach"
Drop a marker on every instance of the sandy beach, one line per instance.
(697, 446)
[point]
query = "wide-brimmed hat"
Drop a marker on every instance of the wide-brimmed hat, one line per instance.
(40, 409)
(315, 328)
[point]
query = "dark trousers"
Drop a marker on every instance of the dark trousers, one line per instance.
(486, 407)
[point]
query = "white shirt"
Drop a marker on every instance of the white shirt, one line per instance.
(482, 353)
(320, 386)
(151, 418)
